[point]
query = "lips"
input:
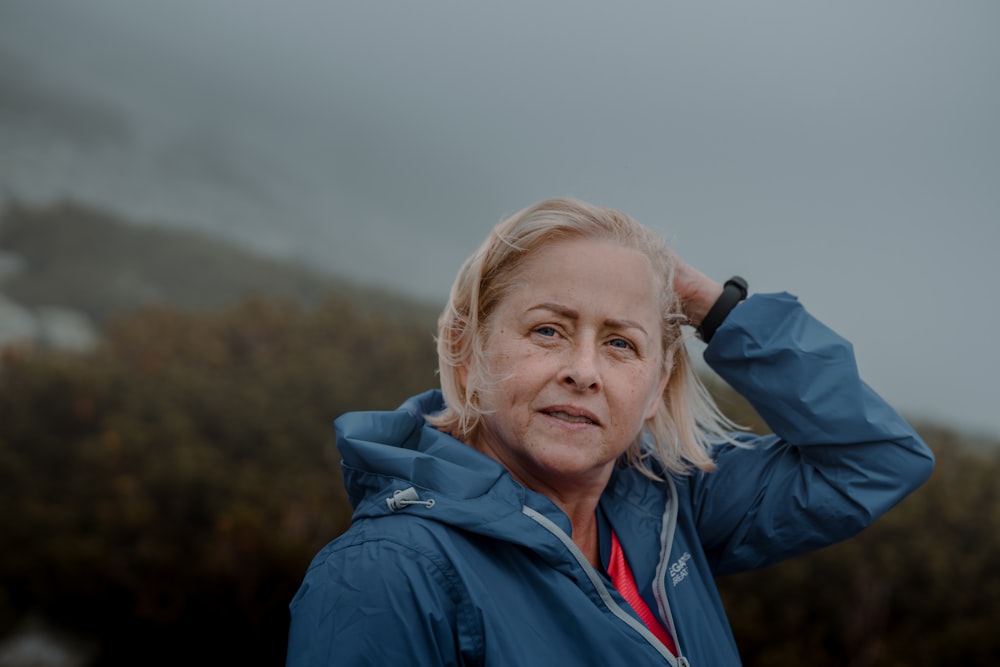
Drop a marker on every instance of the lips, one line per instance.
(572, 414)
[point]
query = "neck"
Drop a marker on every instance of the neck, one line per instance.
(582, 512)
(580, 505)
(586, 538)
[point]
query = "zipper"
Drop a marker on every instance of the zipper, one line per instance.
(602, 590)
(667, 530)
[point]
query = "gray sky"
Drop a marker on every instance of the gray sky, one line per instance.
(846, 152)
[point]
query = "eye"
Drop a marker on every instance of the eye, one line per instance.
(621, 344)
(548, 332)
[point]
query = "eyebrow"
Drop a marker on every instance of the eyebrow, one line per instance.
(570, 314)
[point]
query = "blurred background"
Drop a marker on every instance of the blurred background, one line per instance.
(222, 224)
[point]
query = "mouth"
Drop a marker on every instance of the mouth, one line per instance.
(572, 415)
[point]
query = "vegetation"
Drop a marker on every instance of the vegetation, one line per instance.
(163, 495)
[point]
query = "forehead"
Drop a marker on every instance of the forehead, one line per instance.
(589, 274)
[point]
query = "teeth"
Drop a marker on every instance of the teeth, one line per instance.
(572, 418)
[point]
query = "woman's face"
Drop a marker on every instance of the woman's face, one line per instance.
(575, 355)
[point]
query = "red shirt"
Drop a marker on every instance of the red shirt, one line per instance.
(621, 577)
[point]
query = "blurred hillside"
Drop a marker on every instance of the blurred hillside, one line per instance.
(90, 260)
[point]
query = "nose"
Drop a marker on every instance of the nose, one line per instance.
(581, 372)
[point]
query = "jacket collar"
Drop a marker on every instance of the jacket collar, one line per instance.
(386, 452)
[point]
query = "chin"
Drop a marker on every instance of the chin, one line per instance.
(572, 463)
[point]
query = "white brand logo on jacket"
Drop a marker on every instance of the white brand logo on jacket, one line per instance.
(679, 569)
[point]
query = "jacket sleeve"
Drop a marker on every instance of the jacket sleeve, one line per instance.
(838, 458)
(373, 603)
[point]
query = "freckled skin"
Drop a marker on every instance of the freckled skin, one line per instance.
(576, 347)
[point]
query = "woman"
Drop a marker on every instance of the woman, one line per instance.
(572, 492)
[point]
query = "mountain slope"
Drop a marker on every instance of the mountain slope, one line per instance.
(76, 256)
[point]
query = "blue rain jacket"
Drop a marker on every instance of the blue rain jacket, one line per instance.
(449, 561)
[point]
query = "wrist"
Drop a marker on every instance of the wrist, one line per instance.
(732, 293)
(701, 300)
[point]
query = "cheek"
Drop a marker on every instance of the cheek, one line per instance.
(654, 399)
(501, 379)
(654, 406)
(515, 363)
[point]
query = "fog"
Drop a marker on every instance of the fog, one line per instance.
(846, 152)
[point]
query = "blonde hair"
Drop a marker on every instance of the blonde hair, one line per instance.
(686, 422)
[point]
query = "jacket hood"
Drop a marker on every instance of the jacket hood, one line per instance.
(386, 453)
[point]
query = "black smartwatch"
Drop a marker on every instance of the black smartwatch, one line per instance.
(734, 290)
